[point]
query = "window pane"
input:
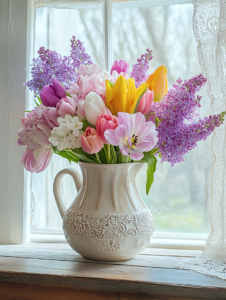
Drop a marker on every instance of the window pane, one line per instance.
(178, 197)
(54, 27)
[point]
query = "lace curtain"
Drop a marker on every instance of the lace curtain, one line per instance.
(209, 25)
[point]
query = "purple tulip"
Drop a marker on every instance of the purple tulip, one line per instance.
(120, 66)
(51, 94)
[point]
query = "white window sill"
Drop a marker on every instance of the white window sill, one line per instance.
(160, 240)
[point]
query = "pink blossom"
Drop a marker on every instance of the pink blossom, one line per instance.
(87, 84)
(133, 135)
(146, 103)
(89, 70)
(104, 122)
(73, 90)
(66, 106)
(90, 141)
(37, 160)
(120, 66)
(115, 76)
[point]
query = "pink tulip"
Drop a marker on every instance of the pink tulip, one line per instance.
(81, 110)
(90, 141)
(66, 106)
(104, 122)
(120, 66)
(37, 160)
(146, 103)
(50, 116)
(35, 133)
(133, 135)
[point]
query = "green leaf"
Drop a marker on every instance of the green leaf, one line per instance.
(36, 103)
(113, 155)
(39, 99)
(111, 83)
(84, 156)
(102, 156)
(151, 161)
(64, 154)
(153, 151)
(138, 102)
(123, 159)
(85, 124)
(68, 94)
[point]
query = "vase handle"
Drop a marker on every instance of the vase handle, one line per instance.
(58, 188)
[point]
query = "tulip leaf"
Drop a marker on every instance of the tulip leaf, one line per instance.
(68, 94)
(37, 103)
(39, 99)
(151, 161)
(111, 83)
(138, 101)
(102, 156)
(65, 155)
(84, 156)
(113, 155)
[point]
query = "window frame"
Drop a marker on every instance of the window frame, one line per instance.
(160, 239)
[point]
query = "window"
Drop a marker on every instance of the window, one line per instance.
(178, 197)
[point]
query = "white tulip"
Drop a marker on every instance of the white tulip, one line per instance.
(94, 107)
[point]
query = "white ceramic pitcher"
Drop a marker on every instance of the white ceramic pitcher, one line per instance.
(108, 220)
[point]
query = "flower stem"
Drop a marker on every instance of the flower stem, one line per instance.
(97, 156)
(109, 153)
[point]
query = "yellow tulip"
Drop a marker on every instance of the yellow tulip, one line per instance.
(123, 95)
(157, 82)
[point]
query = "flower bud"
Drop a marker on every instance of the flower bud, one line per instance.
(146, 103)
(120, 66)
(90, 141)
(104, 122)
(51, 94)
(94, 107)
(157, 82)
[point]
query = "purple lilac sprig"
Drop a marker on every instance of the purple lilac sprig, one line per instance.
(78, 54)
(139, 70)
(180, 102)
(50, 64)
(175, 141)
(178, 132)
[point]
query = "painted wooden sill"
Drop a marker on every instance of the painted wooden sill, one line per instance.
(152, 275)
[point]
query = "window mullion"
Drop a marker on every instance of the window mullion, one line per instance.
(108, 34)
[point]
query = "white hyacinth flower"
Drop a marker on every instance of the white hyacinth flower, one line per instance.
(75, 125)
(67, 135)
(66, 120)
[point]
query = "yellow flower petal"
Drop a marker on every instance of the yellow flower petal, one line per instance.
(139, 91)
(130, 84)
(157, 82)
(108, 97)
(120, 92)
(123, 95)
